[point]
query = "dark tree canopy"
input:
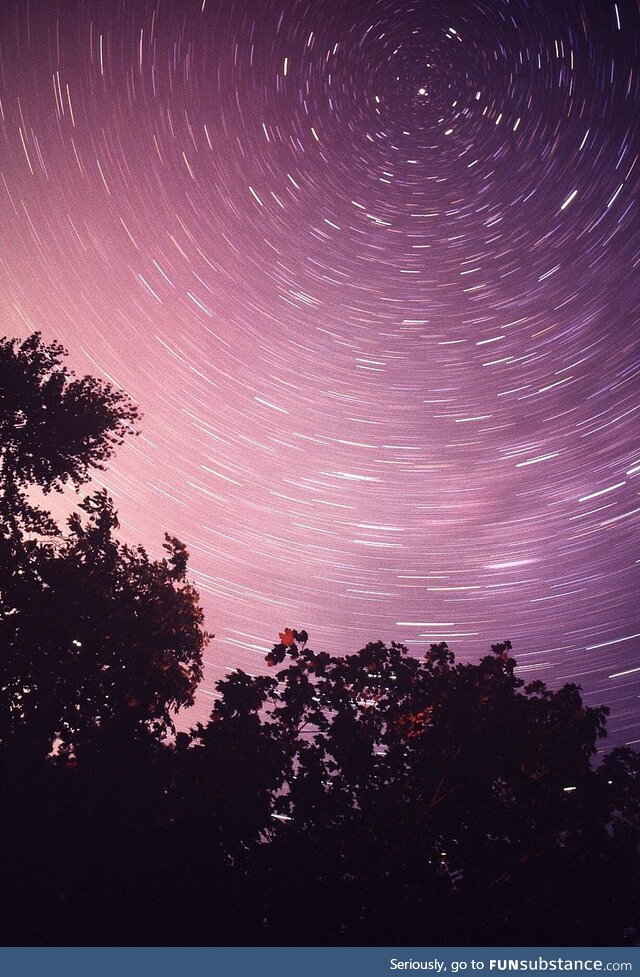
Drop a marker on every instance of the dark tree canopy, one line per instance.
(97, 636)
(361, 799)
(94, 635)
(54, 427)
(428, 802)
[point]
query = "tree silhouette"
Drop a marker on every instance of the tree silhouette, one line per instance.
(94, 634)
(430, 802)
(96, 638)
(99, 645)
(366, 799)
(54, 427)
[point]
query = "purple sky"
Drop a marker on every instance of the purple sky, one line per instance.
(370, 270)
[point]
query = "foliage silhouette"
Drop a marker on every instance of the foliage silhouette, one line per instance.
(94, 634)
(436, 803)
(99, 645)
(364, 799)
(54, 427)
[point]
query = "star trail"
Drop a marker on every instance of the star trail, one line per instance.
(370, 271)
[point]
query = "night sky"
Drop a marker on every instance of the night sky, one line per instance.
(370, 271)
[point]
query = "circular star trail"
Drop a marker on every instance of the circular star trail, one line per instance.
(370, 272)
